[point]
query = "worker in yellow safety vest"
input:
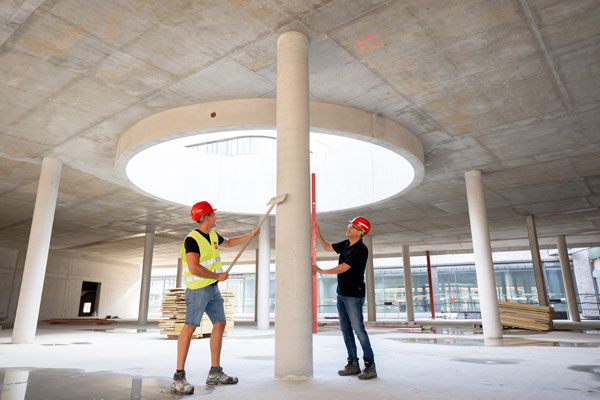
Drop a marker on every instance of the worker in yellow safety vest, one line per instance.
(202, 271)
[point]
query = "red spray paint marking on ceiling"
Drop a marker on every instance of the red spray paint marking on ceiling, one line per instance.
(368, 43)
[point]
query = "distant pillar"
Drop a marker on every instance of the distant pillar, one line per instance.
(410, 309)
(370, 276)
(293, 314)
(146, 276)
(34, 271)
(565, 267)
(484, 266)
(179, 279)
(582, 269)
(264, 267)
(256, 258)
(436, 289)
(538, 271)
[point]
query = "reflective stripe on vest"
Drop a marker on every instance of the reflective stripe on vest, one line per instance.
(209, 259)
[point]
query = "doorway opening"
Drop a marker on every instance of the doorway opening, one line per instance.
(90, 298)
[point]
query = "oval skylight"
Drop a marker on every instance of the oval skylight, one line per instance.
(236, 170)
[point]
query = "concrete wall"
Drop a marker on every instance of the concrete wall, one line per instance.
(119, 289)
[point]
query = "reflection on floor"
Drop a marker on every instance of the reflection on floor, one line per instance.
(128, 361)
(503, 342)
(50, 383)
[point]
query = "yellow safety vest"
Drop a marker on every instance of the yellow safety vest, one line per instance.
(209, 259)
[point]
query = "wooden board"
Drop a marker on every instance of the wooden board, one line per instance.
(526, 316)
(173, 312)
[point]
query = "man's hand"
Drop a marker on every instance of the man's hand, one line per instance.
(324, 244)
(221, 276)
(255, 231)
(317, 269)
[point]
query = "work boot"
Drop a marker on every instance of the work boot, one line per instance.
(352, 368)
(216, 376)
(368, 373)
(180, 385)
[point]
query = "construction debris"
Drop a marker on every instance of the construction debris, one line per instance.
(173, 312)
(526, 316)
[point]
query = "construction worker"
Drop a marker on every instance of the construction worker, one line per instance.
(202, 271)
(351, 294)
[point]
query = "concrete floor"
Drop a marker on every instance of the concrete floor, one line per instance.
(125, 361)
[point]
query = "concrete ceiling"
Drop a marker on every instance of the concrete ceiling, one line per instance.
(510, 87)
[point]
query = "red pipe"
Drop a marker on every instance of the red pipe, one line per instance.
(314, 256)
(430, 285)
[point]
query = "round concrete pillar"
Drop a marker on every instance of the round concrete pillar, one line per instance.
(179, 278)
(146, 276)
(263, 275)
(538, 271)
(293, 313)
(484, 266)
(34, 271)
(565, 267)
(410, 308)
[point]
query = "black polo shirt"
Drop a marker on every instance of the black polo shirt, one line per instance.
(351, 283)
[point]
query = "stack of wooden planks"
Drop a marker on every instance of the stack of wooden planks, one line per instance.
(173, 312)
(526, 316)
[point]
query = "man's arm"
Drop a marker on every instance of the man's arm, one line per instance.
(340, 269)
(199, 270)
(324, 244)
(240, 239)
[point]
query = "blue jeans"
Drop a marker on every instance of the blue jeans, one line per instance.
(351, 318)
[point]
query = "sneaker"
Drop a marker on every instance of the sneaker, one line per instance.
(369, 372)
(352, 368)
(216, 376)
(180, 385)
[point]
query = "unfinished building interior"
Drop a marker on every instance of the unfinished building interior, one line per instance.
(467, 132)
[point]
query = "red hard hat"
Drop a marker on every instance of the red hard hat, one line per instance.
(362, 223)
(201, 208)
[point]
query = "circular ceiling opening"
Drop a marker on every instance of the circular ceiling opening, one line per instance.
(225, 152)
(236, 170)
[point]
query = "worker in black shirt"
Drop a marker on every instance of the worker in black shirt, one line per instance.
(351, 294)
(202, 271)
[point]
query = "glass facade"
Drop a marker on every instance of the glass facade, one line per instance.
(456, 297)
(237, 146)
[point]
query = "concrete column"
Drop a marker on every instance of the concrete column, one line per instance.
(508, 285)
(435, 282)
(256, 258)
(582, 269)
(370, 276)
(410, 308)
(538, 271)
(293, 317)
(34, 271)
(146, 276)
(262, 277)
(484, 266)
(179, 279)
(565, 267)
